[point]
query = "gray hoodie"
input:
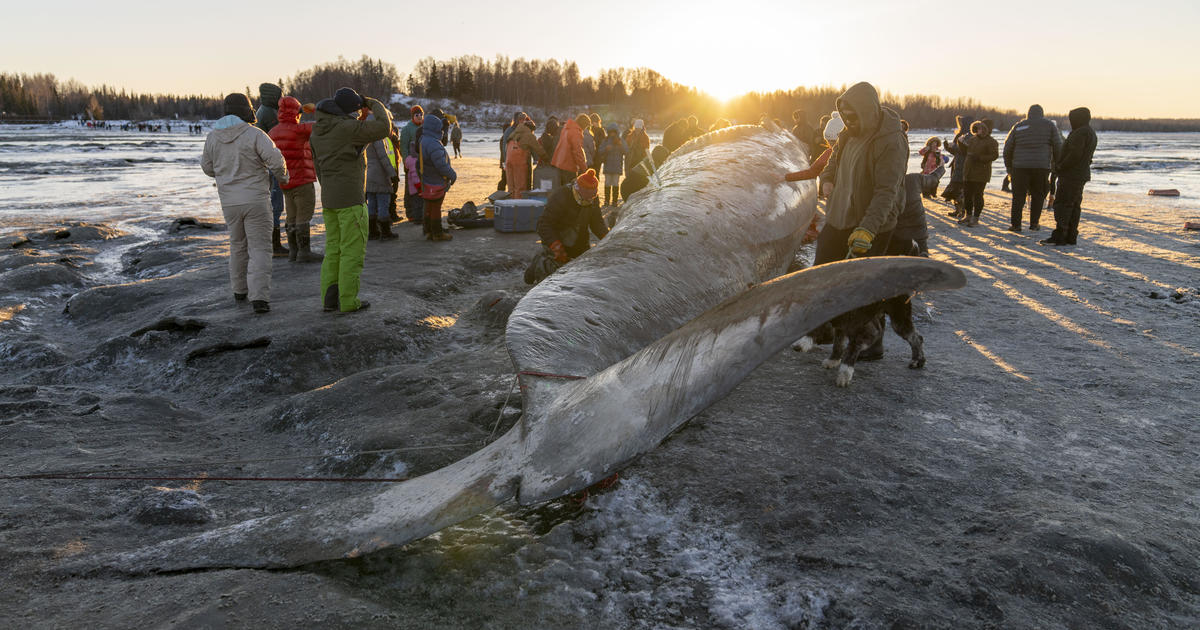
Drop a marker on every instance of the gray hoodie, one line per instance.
(239, 155)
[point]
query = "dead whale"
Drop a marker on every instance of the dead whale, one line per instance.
(615, 351)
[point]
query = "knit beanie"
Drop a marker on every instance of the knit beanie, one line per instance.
(416, 109)
(834, 126)
(588, 184)
(347, 99)
(238, 104)
(639, 124)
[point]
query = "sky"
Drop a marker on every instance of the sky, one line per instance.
(1120, 58)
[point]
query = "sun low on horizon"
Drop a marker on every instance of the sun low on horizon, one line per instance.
(1119, 62)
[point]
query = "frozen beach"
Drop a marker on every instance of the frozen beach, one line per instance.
(1039, 472)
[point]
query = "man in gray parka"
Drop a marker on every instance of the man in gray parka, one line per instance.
(242, 159)
(1031, 147)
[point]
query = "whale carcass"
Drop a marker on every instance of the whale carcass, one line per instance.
(662, 318)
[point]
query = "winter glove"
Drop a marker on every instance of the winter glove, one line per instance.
(859, 242)
(560, 252)
(395, 180)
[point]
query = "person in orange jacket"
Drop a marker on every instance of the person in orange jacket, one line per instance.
(569, 157)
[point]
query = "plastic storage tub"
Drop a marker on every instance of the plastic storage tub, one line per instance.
(518, 215)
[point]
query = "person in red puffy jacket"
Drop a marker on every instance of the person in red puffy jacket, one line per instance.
(299, 194)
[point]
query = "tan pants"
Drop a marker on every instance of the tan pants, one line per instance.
(300, 203)
(250, 228)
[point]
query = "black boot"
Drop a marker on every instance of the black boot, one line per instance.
(385, 231)
(277, 248)
(306, 255)
(372, 229)
(331, 298)
(293, 243)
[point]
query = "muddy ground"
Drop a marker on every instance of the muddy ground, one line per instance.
(1039, 472)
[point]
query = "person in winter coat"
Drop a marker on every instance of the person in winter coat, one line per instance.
(456, 139)
(242, 159)
(299, 194)
(382, 171)
(980, 149)
(932, 166)
(637, 176)
(639, 146)
(911, 234)
(570, 213)
(339, 139)
(569, 157)
(598, 137)
(675, 135)
(1074, 169)
(800, 127)
(522, 143)
(436, 177)
(589, 141)
(612, 153)
(549, 137)
(953, 192)
(508, 130)
(1030, 149)
(413, 204)
(266, 117)
(863, 179)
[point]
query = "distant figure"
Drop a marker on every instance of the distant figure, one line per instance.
(932, 166)
(382, 170)
(954, 191)
(981, 150)
(569, 157)
(267, 117)
(675, 135)
(693, 128)
(299, 194)
(612, 153)
(637, 176)
(570, 214)
(1031, 147)
(800, 127)
(864, 178)
(1074, 168)
(339, 138)
(437, 176)
(508, 129)
(549, 137)
(639, 146)
(456, 139)
(243, 159)
(598, 136)
(589, 140)
(522, 144)
(413, 206)
(833, 127)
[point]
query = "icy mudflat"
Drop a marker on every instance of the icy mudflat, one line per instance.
(1039, 472)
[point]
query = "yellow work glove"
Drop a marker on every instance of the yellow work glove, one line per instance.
(859, 242)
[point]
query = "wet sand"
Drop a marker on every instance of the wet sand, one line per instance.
(1039, 472)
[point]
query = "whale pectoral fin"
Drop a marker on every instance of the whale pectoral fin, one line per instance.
(345, 528)
(645, 397)
(714, 352)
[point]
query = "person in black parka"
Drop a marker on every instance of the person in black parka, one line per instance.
(1074, 169)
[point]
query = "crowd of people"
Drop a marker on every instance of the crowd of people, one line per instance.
(267, 161)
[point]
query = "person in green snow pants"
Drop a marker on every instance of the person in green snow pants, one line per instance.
(345, 249)
(341, 132)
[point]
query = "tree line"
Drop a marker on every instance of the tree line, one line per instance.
(548, 85)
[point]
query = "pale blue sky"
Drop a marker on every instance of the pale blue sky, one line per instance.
(1119, 58)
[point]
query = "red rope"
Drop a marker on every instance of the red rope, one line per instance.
(206, 478)
(549, 375)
